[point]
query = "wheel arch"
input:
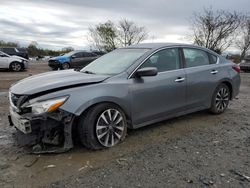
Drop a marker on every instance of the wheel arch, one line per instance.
(230, 86)
(90, 105)
(61, 64)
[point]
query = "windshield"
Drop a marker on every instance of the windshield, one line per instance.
(69, 53)
(114, 62)
(2, 53)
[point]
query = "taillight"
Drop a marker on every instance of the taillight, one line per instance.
(236, 68)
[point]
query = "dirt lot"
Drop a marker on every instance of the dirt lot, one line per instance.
(196, 150)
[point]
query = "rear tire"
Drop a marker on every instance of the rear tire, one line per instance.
(102, 126)
(16, 66)
(220, 99)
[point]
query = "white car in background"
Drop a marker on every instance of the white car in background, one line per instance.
(14, 63)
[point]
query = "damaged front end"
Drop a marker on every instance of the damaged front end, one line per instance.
(41, 125)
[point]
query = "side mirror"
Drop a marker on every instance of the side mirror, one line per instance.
(147, 71)
(73, 56)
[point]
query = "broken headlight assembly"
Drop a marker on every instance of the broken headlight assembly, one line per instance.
(40, 107)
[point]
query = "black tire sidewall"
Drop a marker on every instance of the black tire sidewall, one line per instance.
(87, 125)
(15, 63)
(213, 108)
(64, 65)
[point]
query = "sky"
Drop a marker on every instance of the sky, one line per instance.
(55, 24)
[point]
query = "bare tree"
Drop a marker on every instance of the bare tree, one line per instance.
(243, 41)
(103, 36)
(130, 33)
(215, 29)
(109, 36)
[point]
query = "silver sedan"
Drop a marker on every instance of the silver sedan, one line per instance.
(128, 88)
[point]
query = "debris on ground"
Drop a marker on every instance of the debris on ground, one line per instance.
(49, 166)
(4, 166)
(206, 181)
(32, 162)
(121, 161)
(85, 166)
(190, 181)
(243, 177)
(222, 175)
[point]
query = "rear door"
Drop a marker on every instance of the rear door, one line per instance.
(202, 73)
(156, 97)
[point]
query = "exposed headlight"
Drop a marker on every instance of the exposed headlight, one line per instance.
(50, 105)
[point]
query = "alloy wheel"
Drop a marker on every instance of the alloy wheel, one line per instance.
(16, 67)
(65, 66)
(222, 99)
(110, 127)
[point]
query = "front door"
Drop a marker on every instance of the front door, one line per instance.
(158, 96)
(76, 60)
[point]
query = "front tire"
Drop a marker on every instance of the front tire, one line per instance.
(102, 126)
(220, 99)
(65, 66)
(16, 66)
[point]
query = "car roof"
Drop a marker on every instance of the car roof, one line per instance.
(158, 45)
(155, 46)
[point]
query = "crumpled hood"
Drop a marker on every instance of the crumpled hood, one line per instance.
(53, 80)
(18, 57)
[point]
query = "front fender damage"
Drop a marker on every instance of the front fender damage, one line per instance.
(50, 133)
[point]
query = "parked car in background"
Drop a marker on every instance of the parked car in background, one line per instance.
(75, 59)
(21, 52)
(14, 63)
(245, 65)
(129, 87)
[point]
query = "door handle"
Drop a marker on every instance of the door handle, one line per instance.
(214, 72)
(179, 79)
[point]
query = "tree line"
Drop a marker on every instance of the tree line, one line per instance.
(34, 51)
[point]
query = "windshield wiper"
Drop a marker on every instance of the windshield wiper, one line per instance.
(88, 72)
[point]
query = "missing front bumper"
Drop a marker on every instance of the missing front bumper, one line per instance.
(49, 133)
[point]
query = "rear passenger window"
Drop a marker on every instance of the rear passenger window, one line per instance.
(195, 57)
(164, 60)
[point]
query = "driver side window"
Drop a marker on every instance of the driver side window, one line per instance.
(78, 55)
(164, 60)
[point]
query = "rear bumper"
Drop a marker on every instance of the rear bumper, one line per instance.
(236, 85)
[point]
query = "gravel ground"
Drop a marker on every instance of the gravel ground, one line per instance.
(196, 150)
